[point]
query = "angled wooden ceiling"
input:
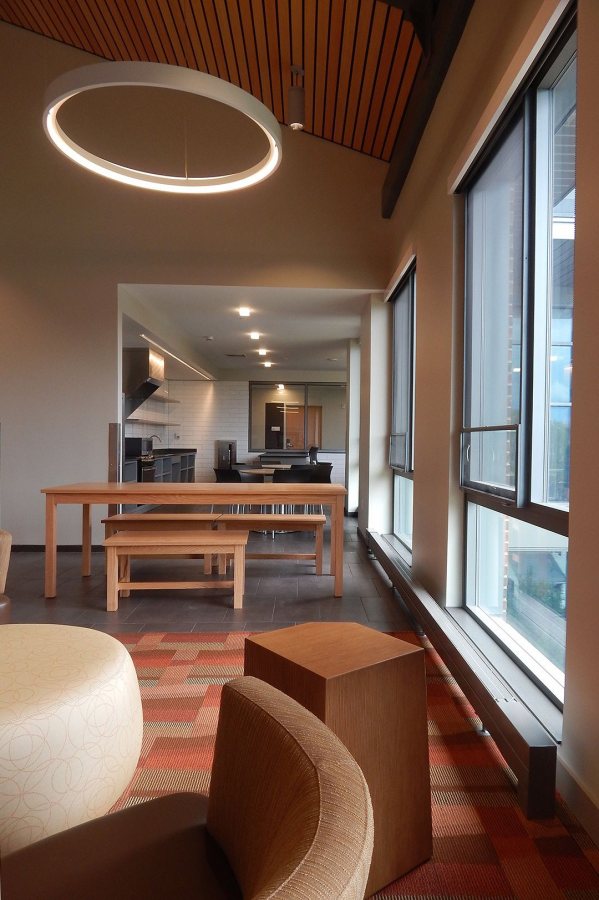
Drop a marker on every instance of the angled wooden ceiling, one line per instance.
(362, 59)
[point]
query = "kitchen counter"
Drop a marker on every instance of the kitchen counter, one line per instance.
(168, 464)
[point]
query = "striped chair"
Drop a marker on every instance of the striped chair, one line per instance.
(288, 816)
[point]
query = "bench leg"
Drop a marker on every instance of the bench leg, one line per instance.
(112, 590)
(208, 564)
(238, 577)
(126, 575)
(319, 547)
(222, 564)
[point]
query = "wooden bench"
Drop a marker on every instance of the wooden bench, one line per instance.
(277, 522)
(162, 522)
(126, 544)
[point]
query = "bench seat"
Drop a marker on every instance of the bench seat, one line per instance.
(161, 522)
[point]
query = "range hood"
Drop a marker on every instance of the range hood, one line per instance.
(143, 373)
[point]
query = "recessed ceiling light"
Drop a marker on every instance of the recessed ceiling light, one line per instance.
(255, 335)
(267, 365)
(262, 351)
(244, 311)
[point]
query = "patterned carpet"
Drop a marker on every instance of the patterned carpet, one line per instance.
(483, 845)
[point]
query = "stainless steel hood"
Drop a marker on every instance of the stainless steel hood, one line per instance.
(143, 373)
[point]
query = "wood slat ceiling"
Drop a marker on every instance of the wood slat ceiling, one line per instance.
(360, 57)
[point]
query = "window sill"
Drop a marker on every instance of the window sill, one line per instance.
(463, 639)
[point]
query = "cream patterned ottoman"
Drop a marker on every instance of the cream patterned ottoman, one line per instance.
(70, 728)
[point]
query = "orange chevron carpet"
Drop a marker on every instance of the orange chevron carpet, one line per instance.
(482, 844)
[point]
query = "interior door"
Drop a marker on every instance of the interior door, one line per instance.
(274, 426)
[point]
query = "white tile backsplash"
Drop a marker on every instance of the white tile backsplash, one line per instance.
(207, 412)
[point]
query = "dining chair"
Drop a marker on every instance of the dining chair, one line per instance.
(321, 474)
(294, 475)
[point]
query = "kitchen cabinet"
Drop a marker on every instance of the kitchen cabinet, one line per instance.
(130, 470)
(172, 466)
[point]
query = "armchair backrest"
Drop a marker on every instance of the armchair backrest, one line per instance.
(288, 803)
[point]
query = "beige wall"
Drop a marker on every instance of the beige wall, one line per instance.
(427, 217)
(579, 754)
(68, 239)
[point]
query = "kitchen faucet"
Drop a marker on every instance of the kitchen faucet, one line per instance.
(156, 436)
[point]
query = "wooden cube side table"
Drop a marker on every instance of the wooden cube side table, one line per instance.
(370, 689)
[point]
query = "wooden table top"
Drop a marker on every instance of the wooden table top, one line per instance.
(330, 649)
(95, 490)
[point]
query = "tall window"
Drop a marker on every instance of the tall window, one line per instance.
(401, 452)
(520, 208)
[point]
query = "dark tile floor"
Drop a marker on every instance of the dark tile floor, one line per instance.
(278, 592)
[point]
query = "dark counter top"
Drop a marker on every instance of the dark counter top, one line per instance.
(166, 452)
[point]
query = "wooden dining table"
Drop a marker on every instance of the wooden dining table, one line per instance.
(103, 493)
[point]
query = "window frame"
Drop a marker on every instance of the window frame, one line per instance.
(305, 385)
(408, 281)
(405, 471)
(520, 505)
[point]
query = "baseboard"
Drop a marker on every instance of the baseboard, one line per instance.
(63, 548)
(578, 800)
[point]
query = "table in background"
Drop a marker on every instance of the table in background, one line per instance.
(370, 689)
(104, 493)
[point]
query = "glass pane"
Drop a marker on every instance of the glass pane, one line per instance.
(402, 403)
(490, 459)
(516, 581)
(277, 417)
(398, 451)
(554, 288)
(402, 509)
(326, 416)
(494, 288)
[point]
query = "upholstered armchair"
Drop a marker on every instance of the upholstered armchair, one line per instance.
(288, 816)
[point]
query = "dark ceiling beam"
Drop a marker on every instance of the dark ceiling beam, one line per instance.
(444, 36)
(421, 14)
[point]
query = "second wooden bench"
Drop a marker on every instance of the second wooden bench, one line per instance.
(277, 522)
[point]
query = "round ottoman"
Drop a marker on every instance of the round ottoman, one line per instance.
(70, 728)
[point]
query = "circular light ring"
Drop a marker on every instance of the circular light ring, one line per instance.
(146, 74)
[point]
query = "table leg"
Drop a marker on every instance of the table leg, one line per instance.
(86, 542)
(112, 577)
(238, 576)
(50, 561)
(337, 542)
(333, 547)
(318, 549)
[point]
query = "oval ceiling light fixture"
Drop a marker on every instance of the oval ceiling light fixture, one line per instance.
(157, 75)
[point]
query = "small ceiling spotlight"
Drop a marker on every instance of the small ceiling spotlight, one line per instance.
(244, 311)
(262, 351)
(280, 387)
(296, 100)
(267, 365)
(255, 335)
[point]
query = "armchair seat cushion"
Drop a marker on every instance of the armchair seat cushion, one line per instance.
(154, 850)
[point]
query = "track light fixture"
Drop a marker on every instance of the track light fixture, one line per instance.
(296, 99)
